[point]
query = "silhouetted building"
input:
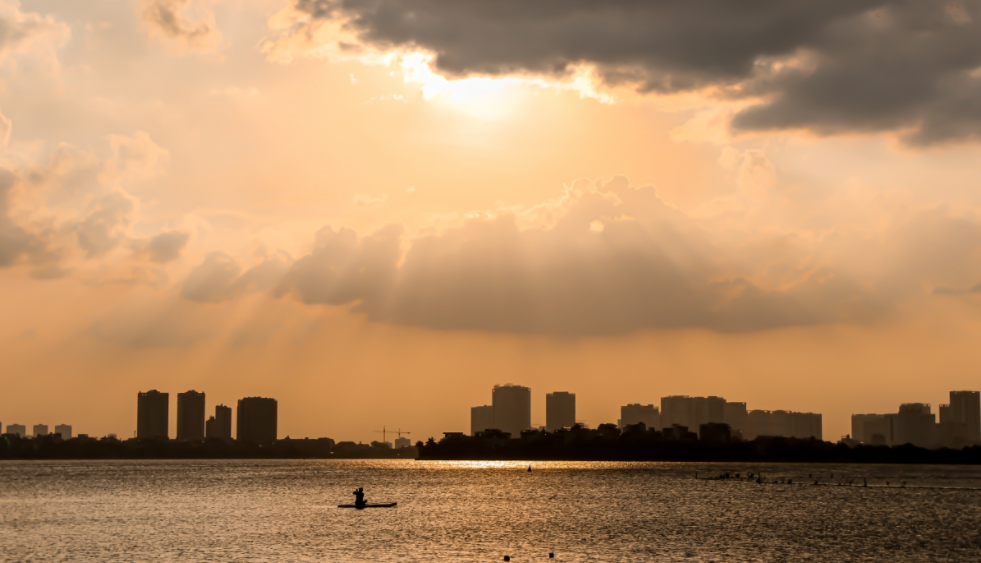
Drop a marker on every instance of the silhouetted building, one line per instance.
(403, 443)
(734, 414)
(913, 424)
(220, 425)
(65, 430)
(715, 432)
(560, 410)
(709, 409)
(691, 411)
(677, 410)
(787, 424)
(636, 413)
(965, 408)
(481, 419)
(153, 415)
(257, 420)
(18, 429)
(190, 415)
(512, 408)
(758, 424)
(40, 430)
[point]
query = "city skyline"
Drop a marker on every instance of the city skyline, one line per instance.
(963, 407)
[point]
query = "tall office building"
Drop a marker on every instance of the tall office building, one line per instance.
(965, 407)
(560, 410)
(635, 413)
(734, 414)
(220, 425)
(257, 420)
(190, 415)
(40, 430)
(153, 415)
(481, 419)
(18, 429)
(65, 430)
(512, 408)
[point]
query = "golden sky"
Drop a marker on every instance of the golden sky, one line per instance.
(375, 210)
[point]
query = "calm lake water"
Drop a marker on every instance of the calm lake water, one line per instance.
(460, 511)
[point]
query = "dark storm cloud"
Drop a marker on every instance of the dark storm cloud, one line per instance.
(862, 65)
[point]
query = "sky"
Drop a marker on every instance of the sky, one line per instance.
(375, 210)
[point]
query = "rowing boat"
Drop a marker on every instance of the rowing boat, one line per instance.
(368, 505)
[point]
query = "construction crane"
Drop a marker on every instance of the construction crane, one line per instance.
(384, 433)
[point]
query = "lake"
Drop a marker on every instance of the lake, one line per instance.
(234, 510)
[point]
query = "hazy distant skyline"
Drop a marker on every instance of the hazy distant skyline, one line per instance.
(374, 211)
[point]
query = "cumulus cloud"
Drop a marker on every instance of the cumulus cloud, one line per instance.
(217, 278)
(344, 268)
(14, 240)
(209, 281)
(829, 66)
(73, 205)
(165, 247)
(614, 259)
(101, 230)
(189, 23)
(29, 34)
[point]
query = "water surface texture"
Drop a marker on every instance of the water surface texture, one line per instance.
(466, 511)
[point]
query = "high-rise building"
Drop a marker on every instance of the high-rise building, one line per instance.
(965, 408)
(635, 413)
(257, 420)
(18, 429)
(481, 419)
(758, 423)
(40, 430)
(734, 414)
(914, 424)
(560, 410)
(220, 425)
(401, 442)
(692, 411)
(153, 415)
(677, 409)
(190, 415)
(65, 430)
(512, 408)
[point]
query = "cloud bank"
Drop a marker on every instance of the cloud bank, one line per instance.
(611, 259)
(829, 66)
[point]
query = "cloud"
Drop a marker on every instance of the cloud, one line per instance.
(29, 34)
(14, 240)
(6, 127)
(188, 23)
(166, 247)
(829, 66)
(649, 266)
(210, 280)
(101, 230)
(344, 268)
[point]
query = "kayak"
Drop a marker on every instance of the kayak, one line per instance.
(368, 505)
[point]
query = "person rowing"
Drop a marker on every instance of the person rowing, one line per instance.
(359, 497)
